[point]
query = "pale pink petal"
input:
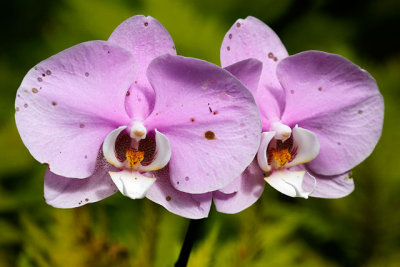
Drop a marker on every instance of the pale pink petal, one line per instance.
(251, 186)
(146, 39)
(251, 38)
(187, 205)
(306, 145)
(210, 119)
(335, 186)
(248, 71)
(68, 103)
(338, 101)
(63, 192)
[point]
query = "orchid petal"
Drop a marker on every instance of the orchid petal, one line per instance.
(262, 157)
(251, 186)
(131, 183)
(63, 192)
(251, 38)
(69, 103)
(306, 144)
(335, 186)
(336, 100)
(288, 183)
(146, 39)
(162, 154)
(193, 206)
(109, 147)
(210, 119)
(248, 72)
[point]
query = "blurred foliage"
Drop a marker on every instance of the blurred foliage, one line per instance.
(359, 230)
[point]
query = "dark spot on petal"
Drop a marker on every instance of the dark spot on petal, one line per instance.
(168, 198)
(35, 90)
(177, 182)
(17, 109)
(360, 111)
(81, 125)
(292, 92)
(320, 89)
(39, 79)
(18, 95)
(87, 74)
(44, 75)
(156, 113)
(270, 55)
(128, 93)
(86, 199)
(191, 119)
(108, 52)
(187, 178)
(35, 68)
(85, 156)
(209, 108)
(54, 103)
(146, 24)
(339, 143)
(275, 59)
(238, 24)
(209, 135)
(48, 72)
(215, 112)
(135, 82)
(25, 105)
(228, 48)
(230, 36)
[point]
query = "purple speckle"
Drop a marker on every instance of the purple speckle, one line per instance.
(48, 72)
(25, 105)
(292, 92)
(146, 24)
(228, 48)
(85, 156)
(40, 79)
(230, 36)
(87, 74)
(81, 125)
(186, 178)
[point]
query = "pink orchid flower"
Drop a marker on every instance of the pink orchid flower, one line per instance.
(321, 115)
(128, 114)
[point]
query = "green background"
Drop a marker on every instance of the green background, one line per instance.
(362, 229)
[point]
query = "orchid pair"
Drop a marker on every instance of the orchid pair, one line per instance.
(129, 115)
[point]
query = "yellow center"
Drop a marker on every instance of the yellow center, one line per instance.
(281, 157)
(134, 157)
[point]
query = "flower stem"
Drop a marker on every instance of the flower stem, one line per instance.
(190, 238)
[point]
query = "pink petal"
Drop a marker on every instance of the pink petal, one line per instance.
(183, 204)
(210, 119)
(339, 102)
(335, 186)
(248, 72)
(69, 102)
(251, 186)
(63, 192)
(146, 39)
(251, 38)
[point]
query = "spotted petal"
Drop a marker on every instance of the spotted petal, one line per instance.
(251, 38)
(193, 206)
(249, 188)
(336, 100)
(69, 102)
(146, 39)
(210, 119)
(63, 192)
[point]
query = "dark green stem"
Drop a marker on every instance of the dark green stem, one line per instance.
(191, 237)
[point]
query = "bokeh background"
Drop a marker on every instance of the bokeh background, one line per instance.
(362, 229)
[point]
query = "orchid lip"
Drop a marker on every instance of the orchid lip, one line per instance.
(131, 180)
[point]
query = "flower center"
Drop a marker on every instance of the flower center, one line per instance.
(134, 157)
(281, 157)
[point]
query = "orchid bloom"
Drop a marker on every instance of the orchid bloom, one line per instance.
(321, 116)
(128, 114)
